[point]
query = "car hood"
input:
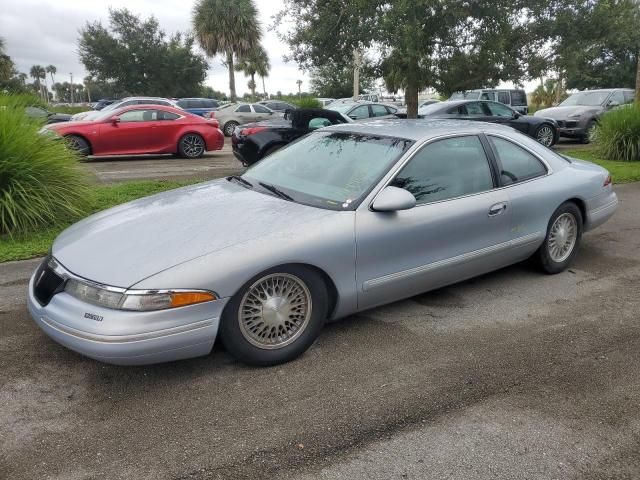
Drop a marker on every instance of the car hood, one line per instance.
(562, 113)
(126, 244)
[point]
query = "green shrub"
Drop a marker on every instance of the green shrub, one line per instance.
(617, 136)
(305, 102)
(67, 109)
(40, 179)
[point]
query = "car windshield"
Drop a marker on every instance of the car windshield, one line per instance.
(587, 99)
(112, 107)
(105, 114)
(429, 109)
(342, 108)
(332, 170)
(228, 105)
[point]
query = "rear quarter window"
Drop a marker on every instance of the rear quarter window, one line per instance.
(518, 98)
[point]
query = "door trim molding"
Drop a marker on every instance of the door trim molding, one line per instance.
(453, 261)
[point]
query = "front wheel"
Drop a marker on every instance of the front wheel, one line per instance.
(78, 144)
(546, 135)
(276, 316)
(191, 146)
(562, 240)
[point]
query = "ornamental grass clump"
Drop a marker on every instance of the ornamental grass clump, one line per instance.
(618, 134)
(41, 183)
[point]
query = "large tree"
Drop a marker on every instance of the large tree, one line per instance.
(137, 57)
(255, 62)
(336, 81)
(7, 69)
(228, 28)
(417, 39)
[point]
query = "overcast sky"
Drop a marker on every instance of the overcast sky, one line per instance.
(44, 32)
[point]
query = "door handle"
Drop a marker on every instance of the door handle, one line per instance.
(497, 209)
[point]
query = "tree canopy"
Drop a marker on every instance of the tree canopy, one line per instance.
(138, 58)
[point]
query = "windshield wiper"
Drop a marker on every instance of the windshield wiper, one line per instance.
(240, 180)
(276, 191)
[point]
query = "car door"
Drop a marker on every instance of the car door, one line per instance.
(244, 114)
(261, 112)
(499, 113)
(133, 133)
(504, 97)
(458, 229)
(522, 174)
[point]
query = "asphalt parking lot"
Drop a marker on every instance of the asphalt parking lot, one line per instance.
(514, 375)
(163, 167)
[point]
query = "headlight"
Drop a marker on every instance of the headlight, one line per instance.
(47, 132)
(136, 300)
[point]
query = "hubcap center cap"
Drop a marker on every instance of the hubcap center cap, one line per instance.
(276, 310)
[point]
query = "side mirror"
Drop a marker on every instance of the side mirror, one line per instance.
(613, 104)
(392, 199)
(516, 115)
(115, 120)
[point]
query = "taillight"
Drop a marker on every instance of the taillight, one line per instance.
(245, 132)
(607, 181)
(210, 114)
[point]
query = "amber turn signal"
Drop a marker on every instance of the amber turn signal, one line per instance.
(181, 299)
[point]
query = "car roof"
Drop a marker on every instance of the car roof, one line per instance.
(164, 108)
(605, 90)
(417, 129)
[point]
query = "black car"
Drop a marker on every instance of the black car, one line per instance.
(544, 130)
(46, 116)
(104, 102)
(254, 141)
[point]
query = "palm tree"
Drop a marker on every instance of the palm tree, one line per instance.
(23, 78)
(37, 72)
(6, 64)
(52, 70)
(254, 62)
(228, 28)
(299, 82)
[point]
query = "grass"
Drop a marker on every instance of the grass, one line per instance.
(621, 172)
(36, 243)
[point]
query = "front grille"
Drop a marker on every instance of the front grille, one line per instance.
(561, 123)
(571, 124)
(47, 283)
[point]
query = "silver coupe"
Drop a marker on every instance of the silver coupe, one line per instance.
(344, 219)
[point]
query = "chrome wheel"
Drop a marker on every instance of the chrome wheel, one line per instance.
(275, 311)
(193, 146)
(229, 128)
(74, 143)
(545, 136)
(562, 237)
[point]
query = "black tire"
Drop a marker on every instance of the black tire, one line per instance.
(229, 127)
(236, 340)
(544, 256)
(191, 145)
(546, 135)
(78, 144)
(586, 138)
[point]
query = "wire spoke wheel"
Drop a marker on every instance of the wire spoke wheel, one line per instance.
(193, 146)
(275, 311)
(545, 136)
(562, 237)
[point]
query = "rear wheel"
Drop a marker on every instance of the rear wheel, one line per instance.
(276, 316)
(545, 135)
(78, 144)
(229, 127)
(191, 145)
(562, 240)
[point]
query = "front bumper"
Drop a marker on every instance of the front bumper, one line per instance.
(125, 337)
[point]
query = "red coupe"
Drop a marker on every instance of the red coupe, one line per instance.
(141, 129)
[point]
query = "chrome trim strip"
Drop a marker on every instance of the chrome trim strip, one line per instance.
(457, 260)
(92, 337)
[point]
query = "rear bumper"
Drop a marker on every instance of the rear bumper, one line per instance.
(215, 142)
(128, 338)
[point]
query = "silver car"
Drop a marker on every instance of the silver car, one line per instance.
(579, 113)
(125, 102)
(233, 114)
(344, 219)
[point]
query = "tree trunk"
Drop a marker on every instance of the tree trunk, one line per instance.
(232, 78)
(638, 78)
(253, 86)
(411, 92)
(356, 74)
(559, 88)
(264, 89)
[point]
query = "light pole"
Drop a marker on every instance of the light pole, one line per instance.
(71, 75)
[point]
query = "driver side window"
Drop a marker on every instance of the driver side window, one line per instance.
(446, 169)
(145, 115)
(499, 110)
